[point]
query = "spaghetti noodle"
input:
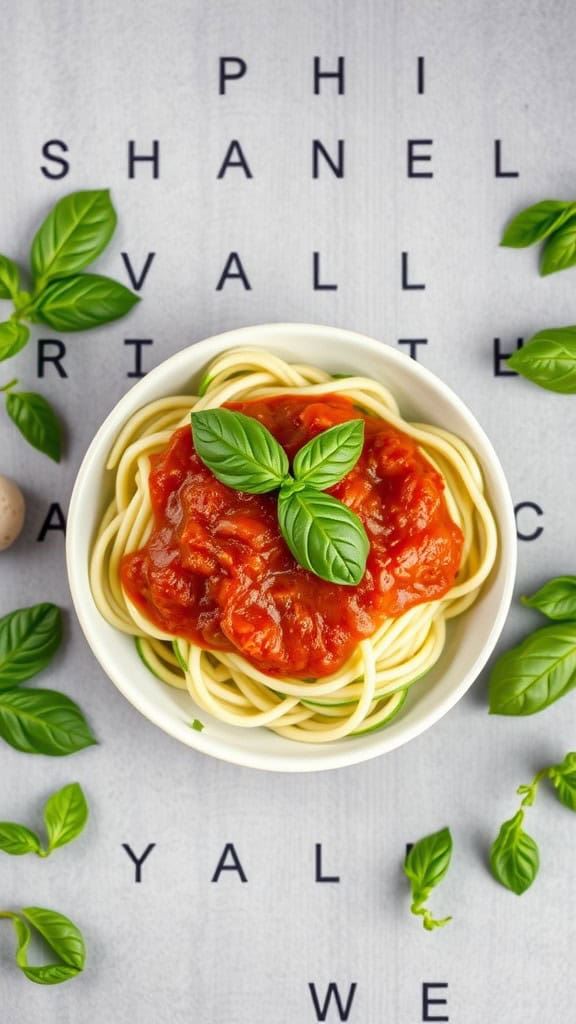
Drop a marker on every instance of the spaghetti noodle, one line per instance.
(369, 689)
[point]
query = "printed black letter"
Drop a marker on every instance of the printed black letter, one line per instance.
(137, 372)
(226, 76)
(227, 274)
(408, 286)
(138, 861)
(427, 1001)
(535, 508)
(56, 357)
(332, 990)
(153, 158)
(498, 172)
(337, 166)
(235, 147)
(54, 521)
(137, 282)
(414, 157)
(500, 356)
(339, 74)
(413, 345)
(223, 866)
(46, 151)
(319, 876)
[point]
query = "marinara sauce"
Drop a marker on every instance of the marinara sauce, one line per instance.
(217, 570)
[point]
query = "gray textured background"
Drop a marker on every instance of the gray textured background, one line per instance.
(177, 948)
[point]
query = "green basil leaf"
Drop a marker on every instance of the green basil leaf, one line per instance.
(425, 866)
(536, 223)
(564, 778)
(51, 974)
(75, 232)
(13, 337)
(9, 278)
(36, 421)
(43, 722)
(556, 599)
(540, 670)
(241, 452)
(84, 301)
(327, 458)
(549, 359)
(29, 638)
(559, 251)
(427, 863)
(514, 858)
(324, 535)
(17, 839)
(61, 934)
(65, 815)
(63, 937)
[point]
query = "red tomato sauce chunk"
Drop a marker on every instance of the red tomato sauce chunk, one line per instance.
(217, 571)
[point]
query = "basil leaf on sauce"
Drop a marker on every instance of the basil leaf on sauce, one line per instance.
(241, 452)
(81, 302)
(29, 638)
(425, 866)
(43, 722)
(77, 229)
(540, 670)
(536, 222)
(556, 599)
(327, 458)
(324, 535)
(514, 857)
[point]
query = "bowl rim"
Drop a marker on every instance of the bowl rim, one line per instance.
(305, 758)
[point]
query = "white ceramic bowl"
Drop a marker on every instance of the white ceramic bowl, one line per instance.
(471, 637)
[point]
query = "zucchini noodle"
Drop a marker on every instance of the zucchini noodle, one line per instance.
(370, 689)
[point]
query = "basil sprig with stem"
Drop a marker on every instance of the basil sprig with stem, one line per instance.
(542, 668)
(65, 815)
(323, 534)
(425, 866)
(62, 936)
(514, 855)
(73, 235)
(36, 721)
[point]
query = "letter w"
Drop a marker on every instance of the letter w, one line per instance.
(322, 1011)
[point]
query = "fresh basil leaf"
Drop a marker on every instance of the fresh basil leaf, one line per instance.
(564, 778)
(241, 452)
(13, 337)
(43, 722)
(425, 866)
(514, 858)
(80, 302)
(36, 421)
(324, 535)
(559, 251)
(29, 638)
(556, 599)
(549, 359)
(61, 934)
(17, 839)
(536, 223)
(75, 232)
(327, 458)
(540, 670)
(9, 278)
(65, 815)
